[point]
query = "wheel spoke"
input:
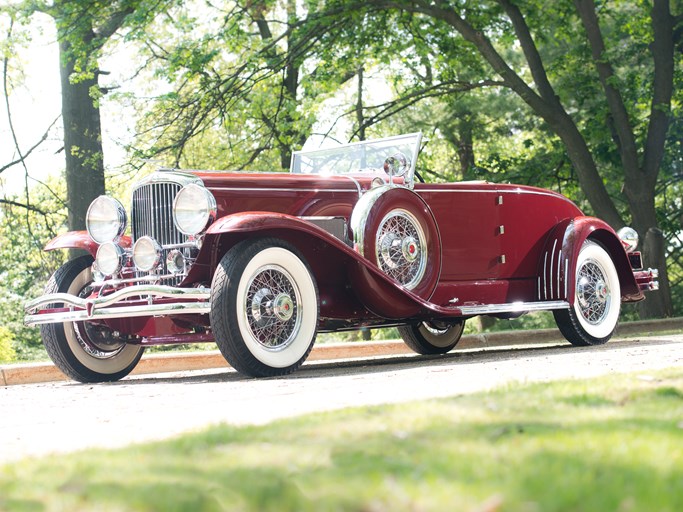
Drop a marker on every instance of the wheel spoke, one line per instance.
(593, 293)
(272, 307)
(400, 232)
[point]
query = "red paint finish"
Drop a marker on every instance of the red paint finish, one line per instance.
(487, 244)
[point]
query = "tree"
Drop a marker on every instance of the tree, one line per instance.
(83, 29)
(493, 28)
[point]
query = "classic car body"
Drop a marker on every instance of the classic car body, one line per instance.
(261, 262)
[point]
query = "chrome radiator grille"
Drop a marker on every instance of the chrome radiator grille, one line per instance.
(152, 215)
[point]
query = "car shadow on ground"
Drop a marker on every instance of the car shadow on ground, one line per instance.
(380, 364)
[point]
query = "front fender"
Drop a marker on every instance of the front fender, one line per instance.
(558, 260)
(80, 240)
(333, 263)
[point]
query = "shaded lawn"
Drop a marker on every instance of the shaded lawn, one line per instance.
(614, 443)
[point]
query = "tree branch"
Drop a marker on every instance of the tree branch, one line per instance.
(530, 52)
(662, 49)
(627, 144)
(28, 207)
(31, 149)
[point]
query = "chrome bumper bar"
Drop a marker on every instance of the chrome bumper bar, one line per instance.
(191, 301)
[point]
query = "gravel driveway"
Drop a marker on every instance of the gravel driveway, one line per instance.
(39, 419)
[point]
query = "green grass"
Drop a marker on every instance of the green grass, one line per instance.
(608, 444)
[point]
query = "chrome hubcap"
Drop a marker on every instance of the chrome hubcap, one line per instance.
(592, 292)
(272, 307)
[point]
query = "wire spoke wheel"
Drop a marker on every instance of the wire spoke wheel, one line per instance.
(86, 351)
(401, 250)
(592, 293)
(271, 306)
(592, 317)
(264, 307)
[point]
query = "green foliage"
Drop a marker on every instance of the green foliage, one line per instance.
(7, 352)
(603, 444)
(24, 266)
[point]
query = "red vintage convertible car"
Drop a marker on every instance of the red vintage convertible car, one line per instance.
(261, 262)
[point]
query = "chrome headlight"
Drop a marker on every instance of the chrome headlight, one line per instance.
(105, 220)
(194, 208)
(109, 258)
(629, 237)
(146, 254)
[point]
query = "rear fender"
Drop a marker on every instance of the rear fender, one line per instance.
(558, 259)
(80, 240)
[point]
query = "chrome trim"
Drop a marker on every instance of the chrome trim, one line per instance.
(538, 282)
(143, 290)
(413, 163)
(178, 308)
(169, 175)
(566, 278)
(359, 216)
(357, 183)
(494, 191)
(513, 307)
(550, 271)
(254, 189)
(545, 273)
(559, 272)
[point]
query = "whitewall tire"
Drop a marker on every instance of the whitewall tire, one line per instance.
(264, 308)
(593, 316)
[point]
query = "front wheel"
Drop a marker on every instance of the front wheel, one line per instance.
(429, 338)
(592, 318)
(264, 308)
(85, 351)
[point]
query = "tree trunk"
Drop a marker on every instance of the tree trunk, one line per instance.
(82, 136)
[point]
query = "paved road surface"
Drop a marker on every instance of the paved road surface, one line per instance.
(38, 419)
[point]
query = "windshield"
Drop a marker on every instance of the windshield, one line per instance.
(358, 157)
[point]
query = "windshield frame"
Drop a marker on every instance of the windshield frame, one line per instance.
(339, 160)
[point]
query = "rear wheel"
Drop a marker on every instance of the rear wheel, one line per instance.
(264, 308)
(431, 338)
(592, 317)
(85, 351)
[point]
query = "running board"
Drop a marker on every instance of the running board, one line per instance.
(513, 307)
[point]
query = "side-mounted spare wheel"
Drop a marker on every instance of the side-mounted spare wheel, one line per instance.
(592, 318)
(394, 228)
(264, 307)
(85, 351)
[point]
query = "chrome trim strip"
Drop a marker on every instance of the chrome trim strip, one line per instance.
(255, 189)
(514, 307)
(550, 271)
(179, 308)
(494, 191)
(360, 213)
(566, 278)
(355, 182)
(144, 290)
(545, 273)
(539, 287)
(559, 270)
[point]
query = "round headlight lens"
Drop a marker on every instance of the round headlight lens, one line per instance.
(193, 208)
(629, 237)
(146, 254)
(109, 258)
(175, 262)
(105, 220)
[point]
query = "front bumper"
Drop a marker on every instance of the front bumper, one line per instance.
(132, 301)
